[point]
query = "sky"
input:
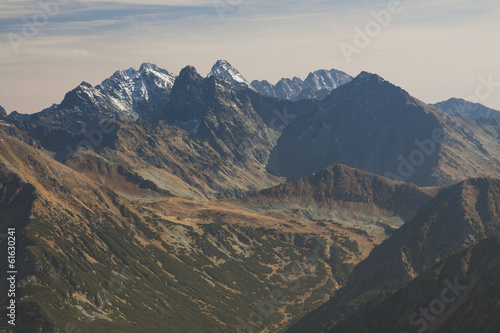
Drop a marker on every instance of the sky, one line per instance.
(434, 49)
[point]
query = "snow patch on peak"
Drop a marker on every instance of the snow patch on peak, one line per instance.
(148, 66)
(326, 79)
(85, 85)
(317, 85)
(222, 64)
(223, 69)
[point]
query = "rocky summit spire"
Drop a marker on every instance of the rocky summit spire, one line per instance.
(223, 69)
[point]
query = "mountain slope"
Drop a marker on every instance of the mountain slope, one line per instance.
(93, 261)
(223, 69)
(216, 145)
(241, 125)
(367, 123)
(375, 126)
(346, 191)
(459, 215)
(460, 294)
(467, 109)
(3, 113)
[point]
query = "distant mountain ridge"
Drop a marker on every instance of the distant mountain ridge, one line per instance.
(129, 95)
(317, 84)
(373, 125)
(367, 123)
(467, 109)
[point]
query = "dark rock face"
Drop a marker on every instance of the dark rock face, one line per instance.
(3, 113)
(187, 100)
(375, 126)
(233, 119)
(365, 124)
(459, 293)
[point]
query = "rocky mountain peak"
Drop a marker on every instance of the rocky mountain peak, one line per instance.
(186, 99)
(223, 69)
(189, 74)
(148, 66)
(317, 85)
(368, 77)
(326, 79)
(3, 113)
(85, 85)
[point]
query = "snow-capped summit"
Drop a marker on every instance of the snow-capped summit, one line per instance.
(223, 69)
(317, 85)
(145, 91)
(326, 79)
(127, 95)
(132, 85)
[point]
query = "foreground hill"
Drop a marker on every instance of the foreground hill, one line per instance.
(347, 196)
(460, 295)
(91, 260)
(459, 215)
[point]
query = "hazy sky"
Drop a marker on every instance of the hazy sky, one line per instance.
(435, 49)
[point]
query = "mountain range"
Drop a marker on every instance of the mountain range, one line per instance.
(316, 85)
(163, 202)
(467, 109)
